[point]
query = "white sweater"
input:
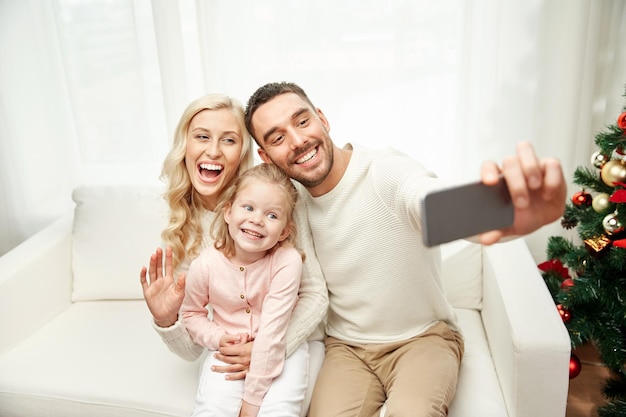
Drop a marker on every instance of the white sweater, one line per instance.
(384, 284)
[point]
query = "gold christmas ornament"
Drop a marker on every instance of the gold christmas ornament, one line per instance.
(613, 171)
(600, 202)
(596, 245)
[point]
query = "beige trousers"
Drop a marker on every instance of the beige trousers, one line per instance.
(416, 377)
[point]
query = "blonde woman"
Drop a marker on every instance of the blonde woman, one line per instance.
(211, 147)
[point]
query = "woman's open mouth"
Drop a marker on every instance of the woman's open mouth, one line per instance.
(210, 171)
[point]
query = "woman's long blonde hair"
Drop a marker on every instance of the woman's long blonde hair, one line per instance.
(184, 231)
(268, 173)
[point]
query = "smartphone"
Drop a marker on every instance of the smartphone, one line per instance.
(465, 210)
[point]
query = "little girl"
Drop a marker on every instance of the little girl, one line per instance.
(250, 280)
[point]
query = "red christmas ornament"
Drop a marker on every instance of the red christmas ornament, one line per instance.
(621, 243)
(566, 316)
(567, 283)
(574, 366)
(582, 199)
(621, 121)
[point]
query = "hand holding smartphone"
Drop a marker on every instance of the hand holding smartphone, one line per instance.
(466, 210)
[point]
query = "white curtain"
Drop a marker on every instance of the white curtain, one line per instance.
(90, 91)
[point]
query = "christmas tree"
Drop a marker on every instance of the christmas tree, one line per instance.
(588, 280)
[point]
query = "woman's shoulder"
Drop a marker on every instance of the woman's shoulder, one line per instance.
(208, 255)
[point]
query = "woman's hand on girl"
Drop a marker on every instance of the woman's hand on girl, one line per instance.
(235, 350)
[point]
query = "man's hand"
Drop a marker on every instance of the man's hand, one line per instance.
(537, 187)
(163, 296)
(235, 350)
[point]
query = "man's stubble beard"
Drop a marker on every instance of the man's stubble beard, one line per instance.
(306, 181)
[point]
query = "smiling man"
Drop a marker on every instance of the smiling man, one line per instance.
(391, 333)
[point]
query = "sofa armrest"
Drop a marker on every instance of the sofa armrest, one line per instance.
(35, 282)
(529, 343)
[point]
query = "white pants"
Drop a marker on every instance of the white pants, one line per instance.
(218, 397)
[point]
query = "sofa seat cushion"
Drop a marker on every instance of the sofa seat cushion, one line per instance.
(478, 392)
(98, 358)
(102, 358)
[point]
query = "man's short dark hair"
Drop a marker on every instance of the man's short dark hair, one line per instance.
(267, 92)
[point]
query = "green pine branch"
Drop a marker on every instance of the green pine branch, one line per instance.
(596, 303)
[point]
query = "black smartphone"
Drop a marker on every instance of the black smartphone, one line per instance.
(465, 210)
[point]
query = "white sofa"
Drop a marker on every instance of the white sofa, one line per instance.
(76, 338)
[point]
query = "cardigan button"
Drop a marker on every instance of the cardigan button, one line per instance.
(241, 268)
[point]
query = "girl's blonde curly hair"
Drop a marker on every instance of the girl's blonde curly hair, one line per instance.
(184, 231)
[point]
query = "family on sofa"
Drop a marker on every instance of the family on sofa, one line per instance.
(369, 288)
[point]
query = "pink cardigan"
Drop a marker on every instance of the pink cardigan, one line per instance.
(256, 299)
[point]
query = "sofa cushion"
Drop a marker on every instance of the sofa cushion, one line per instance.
(478, 391)
(103, 359)
(115, 230)
(113, 239)
(99, 358)
(461, 273)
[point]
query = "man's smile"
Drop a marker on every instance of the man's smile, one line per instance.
(307, 157)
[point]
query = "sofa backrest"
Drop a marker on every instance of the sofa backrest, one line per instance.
(117, 228)
(462, 273)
